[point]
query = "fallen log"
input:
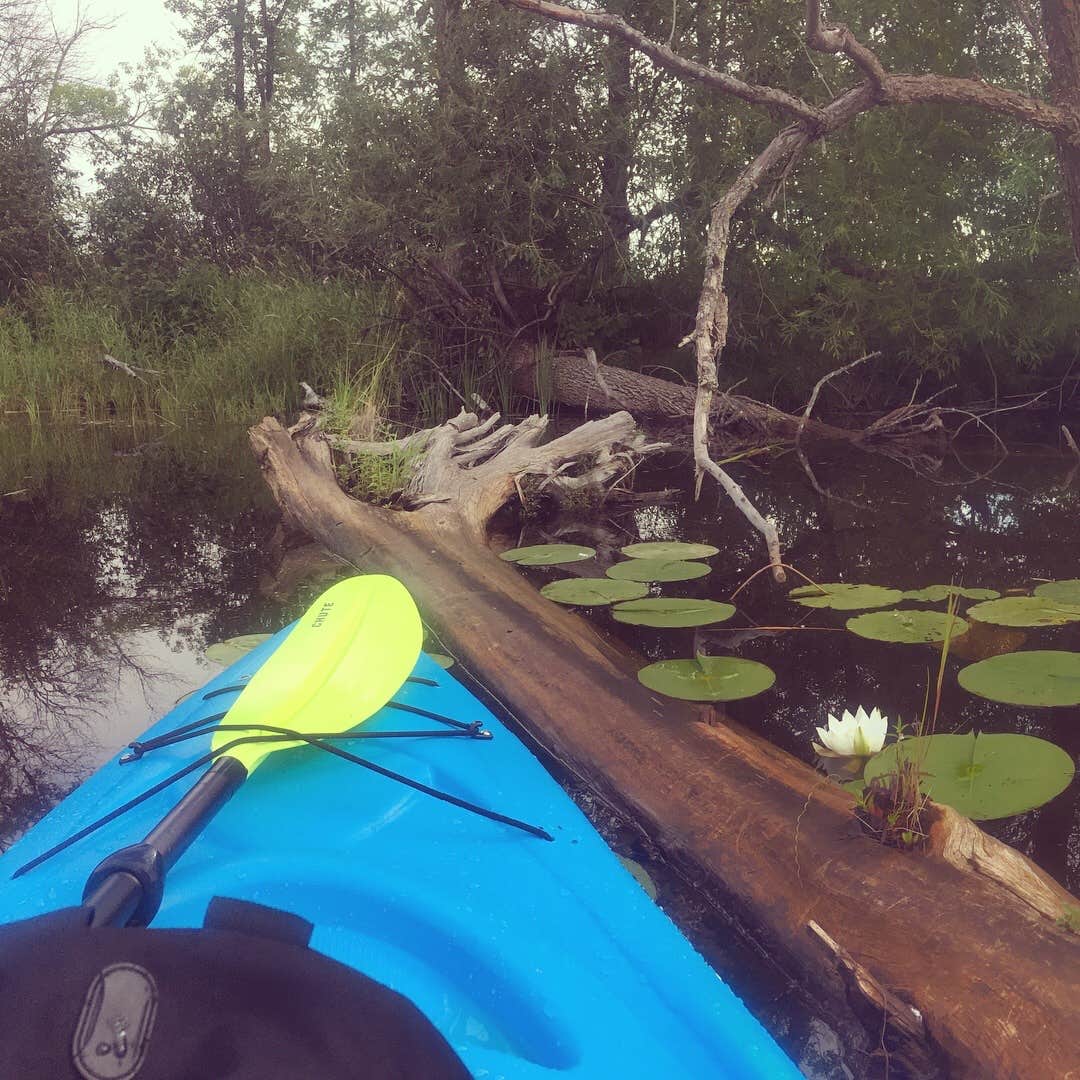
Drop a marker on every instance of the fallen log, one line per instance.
(984, 984)
(581, 382)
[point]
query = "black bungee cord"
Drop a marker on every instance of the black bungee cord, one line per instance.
(280, 734)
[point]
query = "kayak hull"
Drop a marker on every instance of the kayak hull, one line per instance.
(534, 959)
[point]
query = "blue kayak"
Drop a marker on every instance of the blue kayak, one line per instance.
(534, 959)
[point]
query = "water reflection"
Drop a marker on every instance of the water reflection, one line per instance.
(123, 555)
(1002, 532)
(120, 560)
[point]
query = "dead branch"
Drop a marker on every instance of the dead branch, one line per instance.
(665, 58)
(475, 465)
(129, 370)
(1070, 441)
(884, 88)
(839, 39)
(820, 384)
(908, 1040)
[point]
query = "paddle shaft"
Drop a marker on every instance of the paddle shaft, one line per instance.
(117, 889)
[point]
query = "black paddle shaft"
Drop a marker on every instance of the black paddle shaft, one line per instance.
(125, 888)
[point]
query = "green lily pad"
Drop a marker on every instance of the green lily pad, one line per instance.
(1024, 611)
(1066, 593)
(592, 591)
(656, 570)
(670, 552)
(1042, 677)
(844, 597)
(932, 594)
(666, 611)
(441, 659)
(640, 875)
(231, 649)
(911, 627)
(982, 776)
(547, 554)
(708, 678)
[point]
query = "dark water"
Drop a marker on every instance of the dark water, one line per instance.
(125, 552)
(1004, 531)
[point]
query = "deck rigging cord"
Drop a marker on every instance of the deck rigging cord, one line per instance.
(138, 747)
(280, 734)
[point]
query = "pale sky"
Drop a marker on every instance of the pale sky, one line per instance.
(137, 24)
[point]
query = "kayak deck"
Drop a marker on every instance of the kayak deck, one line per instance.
(535, 959)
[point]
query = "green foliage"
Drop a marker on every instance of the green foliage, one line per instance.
(232, 649)
(842, 596)
(663, 611)
(377, 477)
(592, 592)
(934, 594)
(1066, 593)
(257, 339)
(471, 159)
(547, 554)
(1025, 611)
(670, 551)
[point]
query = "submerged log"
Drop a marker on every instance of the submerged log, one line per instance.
(983, 984)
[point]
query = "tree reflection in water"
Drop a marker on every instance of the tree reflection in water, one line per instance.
(119, 563)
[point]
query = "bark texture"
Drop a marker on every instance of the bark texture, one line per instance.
(993, 982)
(574, 380)
(1061, 26)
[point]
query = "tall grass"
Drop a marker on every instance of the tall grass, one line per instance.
(256, 339)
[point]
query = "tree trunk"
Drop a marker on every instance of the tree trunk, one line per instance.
(1061, 25)
(354, 43)
(578, 382)
(992, 980)
(239, 91)
(615, 159)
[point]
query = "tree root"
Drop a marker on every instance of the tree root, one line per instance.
(478, 465)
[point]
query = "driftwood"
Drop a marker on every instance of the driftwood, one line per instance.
(993, 981)
(958, 840)
(904, 1043)
(913, 433)
(582, 383)
(128, 369)
(474, 467)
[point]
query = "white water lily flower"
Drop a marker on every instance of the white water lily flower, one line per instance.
(858, 735)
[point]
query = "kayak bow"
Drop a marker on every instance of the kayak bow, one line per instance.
(342, 662)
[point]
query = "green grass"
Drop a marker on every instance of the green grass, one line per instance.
(255, 341)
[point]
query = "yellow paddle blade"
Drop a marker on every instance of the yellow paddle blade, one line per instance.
(344, 659)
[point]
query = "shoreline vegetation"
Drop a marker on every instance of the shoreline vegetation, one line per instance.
(247, 344)
(236, 345)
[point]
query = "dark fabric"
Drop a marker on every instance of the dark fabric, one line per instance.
(220, 1003)
(244, 917)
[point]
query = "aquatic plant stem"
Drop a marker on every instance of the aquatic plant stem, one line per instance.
(769, 566)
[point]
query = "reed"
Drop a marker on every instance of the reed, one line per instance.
(255, 340)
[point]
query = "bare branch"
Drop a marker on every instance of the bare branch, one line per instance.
(895, 89)
(615, 26)
(819, 385)
(839, 39)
